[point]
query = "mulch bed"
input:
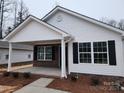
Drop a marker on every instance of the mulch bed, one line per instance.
(83, 85)
(10, 84)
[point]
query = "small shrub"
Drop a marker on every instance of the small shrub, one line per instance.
(74, 77)
(95, 81)
(6, 74)
(122, 83)
(15, 74)
(117, 85)
(27, 75)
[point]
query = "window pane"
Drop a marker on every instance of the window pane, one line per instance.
(104, 49)
(85, 52)
(40, 52)
(41, 49)
(81, 47)
(85, 47)
(100, 58)
(99, 47)
(48, 53)
(100, 55)
(49, 49)
(42, 56)
(85, 58)
(48, 56)
(44, 53)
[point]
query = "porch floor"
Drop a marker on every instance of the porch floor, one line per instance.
(41, 70)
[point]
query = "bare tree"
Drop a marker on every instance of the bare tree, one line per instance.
(112, 23)
(4, 9)
(23, 12)
(1, 16)
(104, 20)
(9, 29)
(121, 24)
(117, 24)
(18, 15)
(15, 12)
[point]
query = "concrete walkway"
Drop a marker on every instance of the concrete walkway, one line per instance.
(39, 86)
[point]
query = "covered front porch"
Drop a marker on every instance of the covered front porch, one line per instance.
(50, 65)
(49, 45)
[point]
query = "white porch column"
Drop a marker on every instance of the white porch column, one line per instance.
(10, 55)
(63, 65)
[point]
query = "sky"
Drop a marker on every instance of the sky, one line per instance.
(98, 9)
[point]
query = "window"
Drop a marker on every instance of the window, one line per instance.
(44, 53)
(0, 56)
(85, 52)
(6, 57)
(100, 52)
(29, 56)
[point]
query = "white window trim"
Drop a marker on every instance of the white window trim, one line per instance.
(92, 53)
(83, 52)
(102, 52)
(107, 54)
(44, 59)
(0, 56)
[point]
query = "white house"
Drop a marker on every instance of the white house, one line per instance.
(72, 42)
(21, 53)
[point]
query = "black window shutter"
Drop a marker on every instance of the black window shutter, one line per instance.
(112, 52)
(53, 52)
(35, 53)
(75, 52)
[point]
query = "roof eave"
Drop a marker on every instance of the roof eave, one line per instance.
(80, 16)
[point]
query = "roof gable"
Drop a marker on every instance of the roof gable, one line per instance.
(30, 19)
(94, 21)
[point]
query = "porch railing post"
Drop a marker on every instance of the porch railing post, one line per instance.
(63, 65)
(10, 55)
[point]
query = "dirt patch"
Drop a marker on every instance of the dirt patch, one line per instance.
(83, 85)
(15, 66)
(10, 84)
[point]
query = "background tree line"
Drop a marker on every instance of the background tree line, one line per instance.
(12, 13)
(114, 23)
